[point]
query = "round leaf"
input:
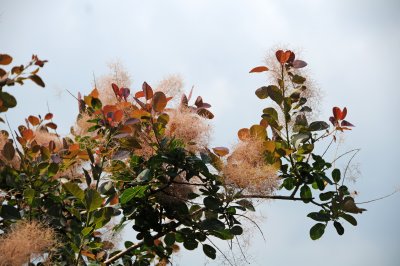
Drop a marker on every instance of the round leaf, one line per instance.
(159, 101)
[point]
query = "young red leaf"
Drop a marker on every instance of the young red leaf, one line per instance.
(118, 115)
(148, 91)
(115, 89)
(48, 116)
(337, 113)
(344, 113)
(259, 69)
(33, 120)
(282, 56)
(139, 94)
(5, 59)
(51, 125)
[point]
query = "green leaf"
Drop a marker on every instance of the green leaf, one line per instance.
(144, 175)
(349, 218)
(53, 169)
(224, 234)
(75, 190)
(211, 203)
(319, 217)
(258, 131)
(318, 125)
(305, 193)
(9, 101)
(317, 231)
(298, 79)
(169, 239)
(336, 175)
(271, 112)
(9, 212)
(212, 224)
(190, 244)
(237, 230)
(209, 251)
(133, 192)
(326, 196)
(246, 204)
(339, 227)
(29, 195)
(87, 230)
(275, 94)
(300, 138)
(92, 200)
(262, 92)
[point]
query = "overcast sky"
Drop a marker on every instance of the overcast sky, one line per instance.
(352, 48)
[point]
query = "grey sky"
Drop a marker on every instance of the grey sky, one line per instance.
(352, 51)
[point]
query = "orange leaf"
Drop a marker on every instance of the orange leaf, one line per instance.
(259, 69)
(95, 93)
(244, 134)
(118, 115)
(114, 200)
(74, 147)
(221, 151)
(159, 101)
(27, 134)
(109, 109)
(88, 254)
(33, 120)
(139, 94)
(48, 116)
(5, 59)
(83, 155)
(264, 123)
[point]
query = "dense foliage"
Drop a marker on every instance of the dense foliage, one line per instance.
(136, 159)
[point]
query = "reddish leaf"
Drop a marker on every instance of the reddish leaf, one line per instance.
(33, 120)
(52, 145)
(17, 69)
(8, 151)
(48, 116)
(299, 64)
(51, 125)
(115, 89)
(148, 91)
(159, 101)
(27, 134)
(37, 80)
(205, 113)
(124, 92)
(184, 100)
(337, 113)
(259, 69)
(199, 101)
(5, 59)
(2, 72)
(140, 103)
(38, 62)
(344, 113)
(282, 56)
(139, 94)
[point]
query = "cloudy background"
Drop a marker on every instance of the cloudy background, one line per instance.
(352, 48)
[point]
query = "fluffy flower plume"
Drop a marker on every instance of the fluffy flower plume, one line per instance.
(172, 86)
(189, 127)
(27, 240)
(119, 76)
(246, 168)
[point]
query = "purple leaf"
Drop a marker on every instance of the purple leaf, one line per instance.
(299, 64)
